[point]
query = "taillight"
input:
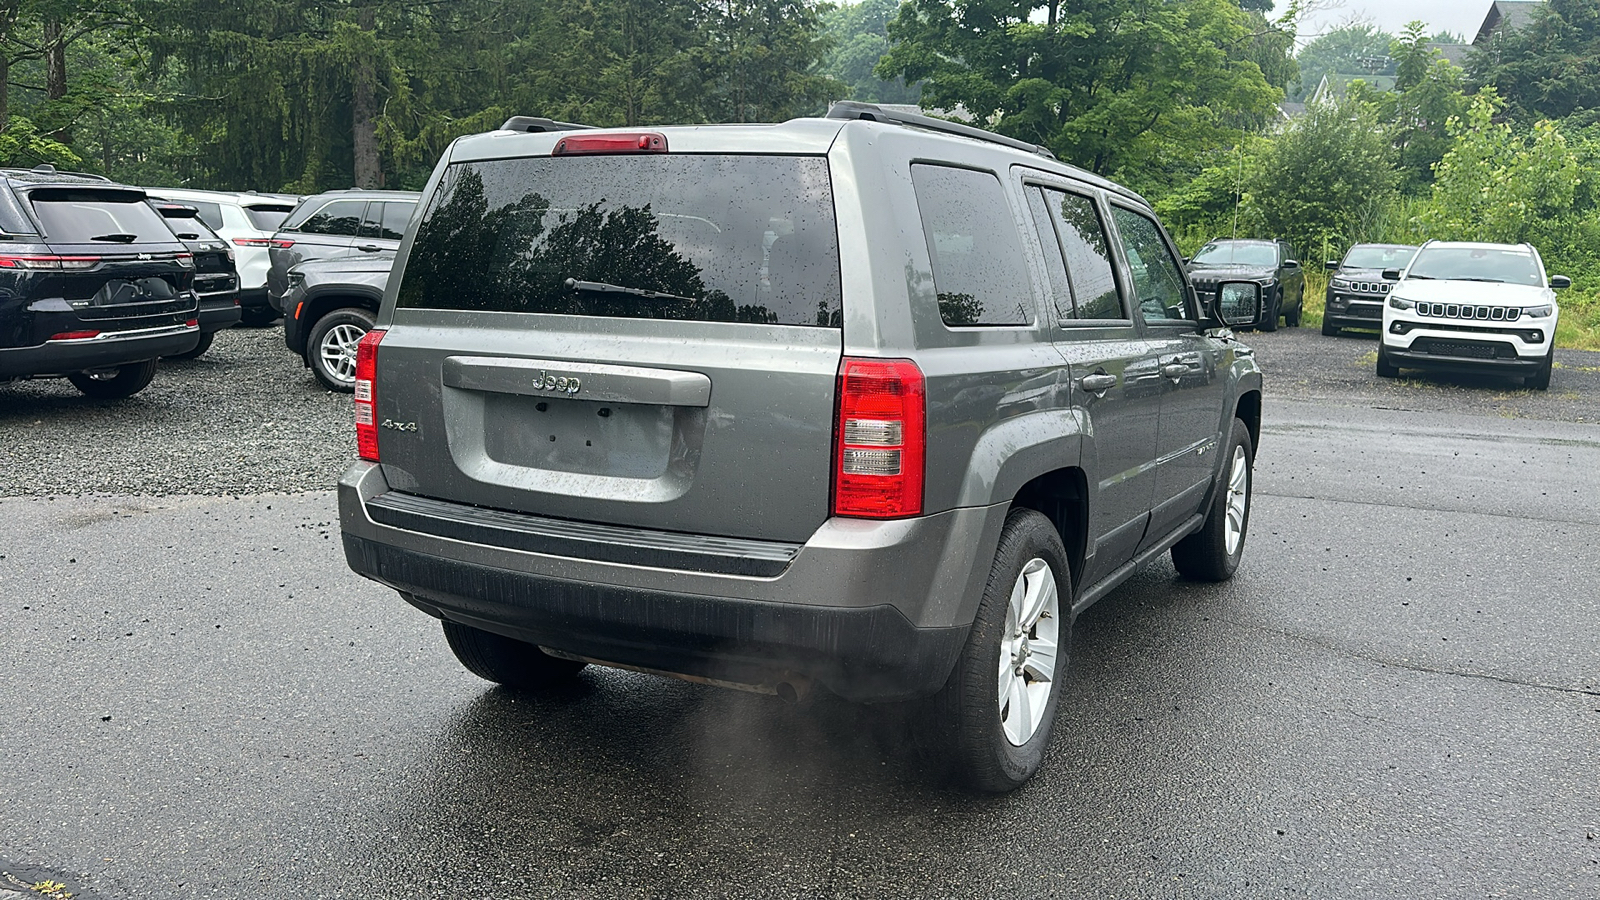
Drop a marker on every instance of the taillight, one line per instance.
(184, 259)
(881, 438)
(366, 398)
(628, 142)
(253, 242)
(49, 262)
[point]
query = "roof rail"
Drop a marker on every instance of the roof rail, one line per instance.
(48, 169)
(536, 124)
(872, 112)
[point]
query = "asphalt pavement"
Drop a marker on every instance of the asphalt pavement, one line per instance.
(1397, 696)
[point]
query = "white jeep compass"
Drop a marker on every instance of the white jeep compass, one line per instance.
(1472, 307)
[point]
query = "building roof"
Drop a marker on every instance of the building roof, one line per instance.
(1455, 53)
(1512, 14)
(1334, 85)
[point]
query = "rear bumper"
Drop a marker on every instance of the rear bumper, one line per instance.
(218, 312)
(873, 611)
(254, 298)
(107, 351)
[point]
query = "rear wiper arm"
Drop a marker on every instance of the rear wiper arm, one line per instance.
(601, 287)
(116, 238)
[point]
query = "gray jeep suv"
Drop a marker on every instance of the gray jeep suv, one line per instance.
(870, 402)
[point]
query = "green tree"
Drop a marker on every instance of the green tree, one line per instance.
(1548, 67)
(860, 37)
(1136, 89)
(1352, 50)
(760, 61)
(1325, 176)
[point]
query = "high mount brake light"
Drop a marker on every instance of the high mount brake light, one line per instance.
(627, 142)
(49, 262)
(366, 399)
(880, 441)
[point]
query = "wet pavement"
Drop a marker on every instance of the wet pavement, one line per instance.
(1397, 696)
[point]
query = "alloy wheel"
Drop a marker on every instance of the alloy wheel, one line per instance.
(1238, 499)
(1028, 651)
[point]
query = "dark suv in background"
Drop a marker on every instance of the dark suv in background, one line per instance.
(94, 286)
(1357, 289)
(334, 224)
(872, 403)
(216, 281)
(1272, 264)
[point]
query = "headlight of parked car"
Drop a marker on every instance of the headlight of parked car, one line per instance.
(1539, 312)
(1339, 284)
(1401, 303)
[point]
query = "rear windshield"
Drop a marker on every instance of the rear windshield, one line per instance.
(660, 236)
(82, 216)
(1364, 257)
(267, 218)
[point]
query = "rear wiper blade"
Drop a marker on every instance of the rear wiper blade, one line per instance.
(601, 287)
(116, 238)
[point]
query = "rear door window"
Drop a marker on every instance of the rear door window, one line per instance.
(1084, 255)
(341, 217)
(387, 220)
(82, 216)
(717, 238)
(979, 270)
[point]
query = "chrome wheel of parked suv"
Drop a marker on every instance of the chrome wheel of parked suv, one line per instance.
(1213, 552)
(996, 712)
(333, 347)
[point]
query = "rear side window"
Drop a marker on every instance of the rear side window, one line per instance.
(386, 220)
(81, 216)
(266, 218)
(654, 236)
(210, 213)
(979, 271)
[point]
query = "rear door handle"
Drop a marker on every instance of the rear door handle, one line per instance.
(1098, 383)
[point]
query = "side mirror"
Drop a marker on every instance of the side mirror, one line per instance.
(1291, 264)
(1186, 260)
(1391, 274)
(1560, 282)
(1238, 302)
(1331, 265)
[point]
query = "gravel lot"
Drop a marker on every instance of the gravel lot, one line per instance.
(249, 418)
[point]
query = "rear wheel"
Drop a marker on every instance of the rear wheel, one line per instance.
(1292, 317)
(507, 661)
(1386, 369)
(331, 348)
(200, 348)
(1213, 552)
(115, 384)
(258, 316)
(994, 717)
(1540, 379)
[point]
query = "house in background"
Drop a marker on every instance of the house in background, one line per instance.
(1505, 15)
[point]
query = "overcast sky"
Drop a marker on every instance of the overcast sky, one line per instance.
(1460, 16)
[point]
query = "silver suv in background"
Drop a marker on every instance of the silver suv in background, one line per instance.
(871, 403)
(245, 219)
(336, 224)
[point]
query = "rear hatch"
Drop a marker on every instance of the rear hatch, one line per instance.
(111, 258)
(213, 260)
(646, 340)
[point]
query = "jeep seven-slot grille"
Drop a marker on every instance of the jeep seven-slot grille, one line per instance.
(1458, 311)
(1369, 287)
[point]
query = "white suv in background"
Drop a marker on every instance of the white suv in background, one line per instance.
(1472, 307)
(246, 220)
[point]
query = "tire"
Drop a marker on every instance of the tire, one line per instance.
(331, 347)
(1540, 380)
(1269, 322)
(117, 384)
(1386, 369)
(1329, 329)
(199, 349)
(1213, 552)
(995, 742)
(257, 316)
(1292, 318)
(507, 661)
